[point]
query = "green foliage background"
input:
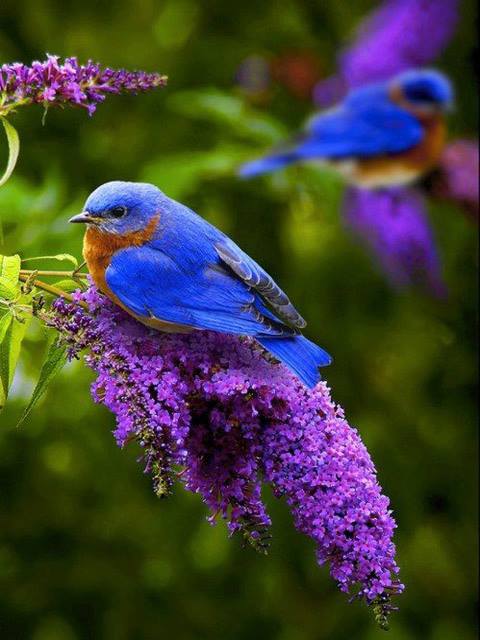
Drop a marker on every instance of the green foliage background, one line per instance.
(86, 550)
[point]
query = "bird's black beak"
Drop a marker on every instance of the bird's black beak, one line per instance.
(85, 217)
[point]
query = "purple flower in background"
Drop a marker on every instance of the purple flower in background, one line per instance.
(218, 408)
(394, 225)
(52, 83)
(457, 176)
(399, 35)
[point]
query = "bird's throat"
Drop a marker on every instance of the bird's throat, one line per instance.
(99, 248)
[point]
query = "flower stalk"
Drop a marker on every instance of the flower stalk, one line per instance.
(31, 281)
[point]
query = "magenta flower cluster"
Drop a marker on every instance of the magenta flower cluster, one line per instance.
(216, 413)
(52, 83)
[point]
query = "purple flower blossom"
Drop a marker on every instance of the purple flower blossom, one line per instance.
(51, 83)
(399, 35)
(457, 177)
(217, 407)
(394, 225)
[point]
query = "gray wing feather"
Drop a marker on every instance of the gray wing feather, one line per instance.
(259, 280)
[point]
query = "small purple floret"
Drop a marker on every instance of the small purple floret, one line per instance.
(218, 408)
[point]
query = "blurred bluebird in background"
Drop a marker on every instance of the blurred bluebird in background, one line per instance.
(394, 224)
(384, 134)
(392, 221)
(175, 272)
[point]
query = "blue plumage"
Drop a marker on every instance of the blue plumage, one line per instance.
(189, 274)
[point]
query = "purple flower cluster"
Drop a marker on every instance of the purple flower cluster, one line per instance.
(52, 83)
(215, 412)
(457, 177)
(394, 225)
(391, 40)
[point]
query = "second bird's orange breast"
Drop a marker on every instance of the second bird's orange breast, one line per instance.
(406, 166)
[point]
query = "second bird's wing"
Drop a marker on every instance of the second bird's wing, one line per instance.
(368, 130)
(152, 283)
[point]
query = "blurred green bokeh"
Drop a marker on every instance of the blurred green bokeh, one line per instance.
(86, 550)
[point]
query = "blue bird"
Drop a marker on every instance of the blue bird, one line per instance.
(175, 272)
(383, 134)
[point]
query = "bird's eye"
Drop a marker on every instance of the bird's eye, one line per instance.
(118, 212)
(419, 94)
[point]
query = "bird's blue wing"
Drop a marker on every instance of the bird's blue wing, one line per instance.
(152, 283)
(360, 129)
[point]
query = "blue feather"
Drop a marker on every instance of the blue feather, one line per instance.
(300, 355)
(267, 164)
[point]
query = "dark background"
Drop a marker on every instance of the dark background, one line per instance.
(86, 550)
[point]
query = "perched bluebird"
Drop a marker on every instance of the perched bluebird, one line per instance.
(383, 134)
(173, 271)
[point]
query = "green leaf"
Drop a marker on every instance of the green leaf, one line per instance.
(9, 353)
(13, 149)
(10, 267)
(58, 256)
(5, 323)
(182, 171)
(9, 272)
(230, 111)
(54, 361)
(68, 285)
(8, 291)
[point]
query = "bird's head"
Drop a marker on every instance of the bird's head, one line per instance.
(423, 91)
(121, 207)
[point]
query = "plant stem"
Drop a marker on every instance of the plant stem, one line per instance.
(64, 274)
(53, 290)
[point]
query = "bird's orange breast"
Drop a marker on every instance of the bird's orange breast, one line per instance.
(99, 247)
(404, 167)
(98, 250)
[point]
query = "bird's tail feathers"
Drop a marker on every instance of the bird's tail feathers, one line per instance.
(267, 164)
(300, 355)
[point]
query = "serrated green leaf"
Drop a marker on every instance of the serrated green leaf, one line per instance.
(58, 256)
(9, 353)
(13, 149)
(54, 361)
(10, 267)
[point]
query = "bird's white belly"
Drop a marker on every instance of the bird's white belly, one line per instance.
(389, 176)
